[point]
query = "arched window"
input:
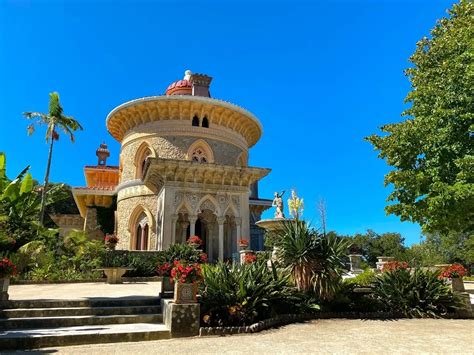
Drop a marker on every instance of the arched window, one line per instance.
(196, 121)
(199, 155)
(143, 153)
(205, 122)
(200, 151)
(141, 233)
(143, 164)
(138, 238)
(145, 237)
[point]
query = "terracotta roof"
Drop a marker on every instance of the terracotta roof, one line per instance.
(99, 188)
(180, 87)
(106, 167)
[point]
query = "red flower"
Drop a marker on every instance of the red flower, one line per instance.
(111, 238)
(7, 268)
(164, 270)
(250, 258)
(394, 265)
(203, 257)
(453, 271)
(243, 243)
(190, 273)
(194, 240)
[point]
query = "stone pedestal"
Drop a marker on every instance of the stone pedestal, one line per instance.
(181, 319)
(457, 284)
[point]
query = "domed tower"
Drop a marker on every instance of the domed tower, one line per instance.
(183, 169)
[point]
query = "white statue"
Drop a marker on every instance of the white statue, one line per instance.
(278, 203)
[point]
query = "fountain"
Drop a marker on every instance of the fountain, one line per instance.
(272, 225)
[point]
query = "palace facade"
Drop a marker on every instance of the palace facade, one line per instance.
(183, 171)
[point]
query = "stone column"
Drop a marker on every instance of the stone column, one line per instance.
(174, 219)
(192, 221)
(238, 222)
(210, 228)
(221, 221)
(184, 229)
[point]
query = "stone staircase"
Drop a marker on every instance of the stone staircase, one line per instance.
(33, 324)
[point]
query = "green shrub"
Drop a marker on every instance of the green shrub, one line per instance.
(237, 295)
(143, 263)
(183, 252)
(419, 293)
(347, 300)
(364, 279)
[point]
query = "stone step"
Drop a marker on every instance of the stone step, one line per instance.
(71, 321)
(63, 336)
(78, 311)
(86, 302)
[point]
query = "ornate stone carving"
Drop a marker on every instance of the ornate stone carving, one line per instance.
(208, 205)
(236, 201)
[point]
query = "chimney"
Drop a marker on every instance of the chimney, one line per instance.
(102, 154)
(201, 84)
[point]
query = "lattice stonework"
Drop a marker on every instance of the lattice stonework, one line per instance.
(199, 155)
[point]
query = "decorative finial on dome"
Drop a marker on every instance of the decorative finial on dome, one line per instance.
(187, 74)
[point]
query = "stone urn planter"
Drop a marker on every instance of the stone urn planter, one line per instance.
(4, 283)
(114, 274)
(185, 292)
(457, 284)
(355, 260)
(167, 284)
(111, 246)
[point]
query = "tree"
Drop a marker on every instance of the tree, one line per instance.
(432, 151)
(54, 119)
(20, 203)
(372, 245)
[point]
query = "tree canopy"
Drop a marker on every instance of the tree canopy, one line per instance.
(432, 151)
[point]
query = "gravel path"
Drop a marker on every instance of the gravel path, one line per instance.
(338, 336)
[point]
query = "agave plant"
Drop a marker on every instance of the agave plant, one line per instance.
(315, 261)
(418, 293)
(243, 294)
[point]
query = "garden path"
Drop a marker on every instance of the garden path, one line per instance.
(83, 290)
(334, 336)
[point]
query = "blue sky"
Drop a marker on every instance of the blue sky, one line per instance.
(319, 75)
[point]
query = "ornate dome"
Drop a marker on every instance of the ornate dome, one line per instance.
(181, 87)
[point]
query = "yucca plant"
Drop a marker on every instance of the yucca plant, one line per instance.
(315, 261)
(418, 293)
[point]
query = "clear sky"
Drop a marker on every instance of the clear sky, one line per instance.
(319, 75)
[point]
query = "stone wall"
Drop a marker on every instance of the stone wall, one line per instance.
(126, 209)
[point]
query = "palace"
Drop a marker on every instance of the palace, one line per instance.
(183, 171)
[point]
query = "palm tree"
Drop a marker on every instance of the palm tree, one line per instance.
(54, 119)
